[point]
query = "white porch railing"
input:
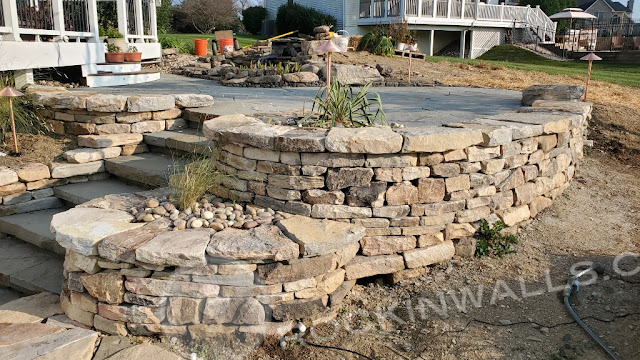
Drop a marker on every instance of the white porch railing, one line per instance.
(456, 12)
(75, 20)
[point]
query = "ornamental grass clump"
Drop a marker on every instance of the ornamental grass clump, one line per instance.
(193, 180)
(345, 108)
(24, 112)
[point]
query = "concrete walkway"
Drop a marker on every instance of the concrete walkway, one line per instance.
(412, 106)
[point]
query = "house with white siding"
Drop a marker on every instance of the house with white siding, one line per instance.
(475, 24)
(608, 11)
(60, 33)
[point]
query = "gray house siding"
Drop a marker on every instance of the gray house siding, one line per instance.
(604, 12)
(332, 7)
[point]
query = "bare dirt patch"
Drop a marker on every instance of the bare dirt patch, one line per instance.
(35, 148)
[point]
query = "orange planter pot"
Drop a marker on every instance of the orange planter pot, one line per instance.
(114, 57)
(133, 57)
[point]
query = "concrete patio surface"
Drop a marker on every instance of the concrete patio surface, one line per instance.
(412, 106)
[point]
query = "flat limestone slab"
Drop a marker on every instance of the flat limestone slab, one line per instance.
(28, 268)
(33, 227)
(438, 139)
(54, 341)
(158, 138)
(31, 309)
(80, 229)
(110, 140)
(186, 249)
(318, 237)
(264, 242)
(65, 170)
(148, 168)
(551, 123)
(82, 192)
(122, 247)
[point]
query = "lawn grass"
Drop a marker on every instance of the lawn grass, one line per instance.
(513, 57)
(187, 39)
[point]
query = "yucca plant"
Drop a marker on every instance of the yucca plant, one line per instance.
(346, 107)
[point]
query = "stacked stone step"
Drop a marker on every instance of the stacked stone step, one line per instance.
(140, 278)
(419, 192)
(109, 126)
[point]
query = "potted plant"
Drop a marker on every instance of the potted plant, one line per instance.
(114, 54)
(132, 55)
(116, 38)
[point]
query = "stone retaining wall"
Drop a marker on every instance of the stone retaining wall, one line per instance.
(113, 123)
(416, 191)
(355, 202)
(140, 278)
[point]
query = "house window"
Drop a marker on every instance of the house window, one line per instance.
(615, 19)
(599, 15)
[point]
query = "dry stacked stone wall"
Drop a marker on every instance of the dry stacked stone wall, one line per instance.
(356, 203)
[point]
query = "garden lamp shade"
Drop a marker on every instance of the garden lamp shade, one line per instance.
(11, 93)
(589, 57)
(329, 47)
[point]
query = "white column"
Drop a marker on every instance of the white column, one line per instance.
(11, 19)
(528, 11)
(435, 8)
(139, 24)
(371, 9)
(477, 8)
(154, 20)
(386, 9)
(462, 43)
(449, 9)
(403, 8)
(58, 16)
(463, 9)
(432, 39)
(501, 12)
(420, 8)
(121, 9)
(23, 78)
(92, 8)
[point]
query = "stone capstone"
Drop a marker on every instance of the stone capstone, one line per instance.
(265, 242)
(144, 103)
(370, 140)
(193, 100)
(551, 92)
(109, 140)
(167, 249)
(81, 156)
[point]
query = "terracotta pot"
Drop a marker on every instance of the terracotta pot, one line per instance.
(114, 57)
(133, 57)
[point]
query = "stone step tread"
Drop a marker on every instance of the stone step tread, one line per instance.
(82, 192)
(28, 268)
(33, 228)
(149, 169)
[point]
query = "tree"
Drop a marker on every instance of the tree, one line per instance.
(252, 18)
(164, 15)
(207, 15)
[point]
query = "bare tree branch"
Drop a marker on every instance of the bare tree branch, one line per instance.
(207, 15)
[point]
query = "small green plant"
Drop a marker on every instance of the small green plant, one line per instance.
(489, 240)
(113, 48)
(377, 42)
(132, 49)
(25, 113)
(113, 33)
(346, 107)
(193, 180)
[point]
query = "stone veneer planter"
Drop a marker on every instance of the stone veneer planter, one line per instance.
(378, 201)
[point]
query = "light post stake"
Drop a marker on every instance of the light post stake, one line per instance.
(11, 93)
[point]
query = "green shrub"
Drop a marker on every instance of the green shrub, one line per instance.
(377, 42)
(303, 19)
(171, 42)
(346, 108)
(489, 241)
(252, 18)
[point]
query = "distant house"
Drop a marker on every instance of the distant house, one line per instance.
(608, 11)
(476, 25)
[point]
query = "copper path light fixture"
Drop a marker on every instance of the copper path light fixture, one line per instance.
(589, 57)
(11, 93)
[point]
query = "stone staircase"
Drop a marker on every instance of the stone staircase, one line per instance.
(31, 258)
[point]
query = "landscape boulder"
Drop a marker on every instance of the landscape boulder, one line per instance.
(551, 92)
